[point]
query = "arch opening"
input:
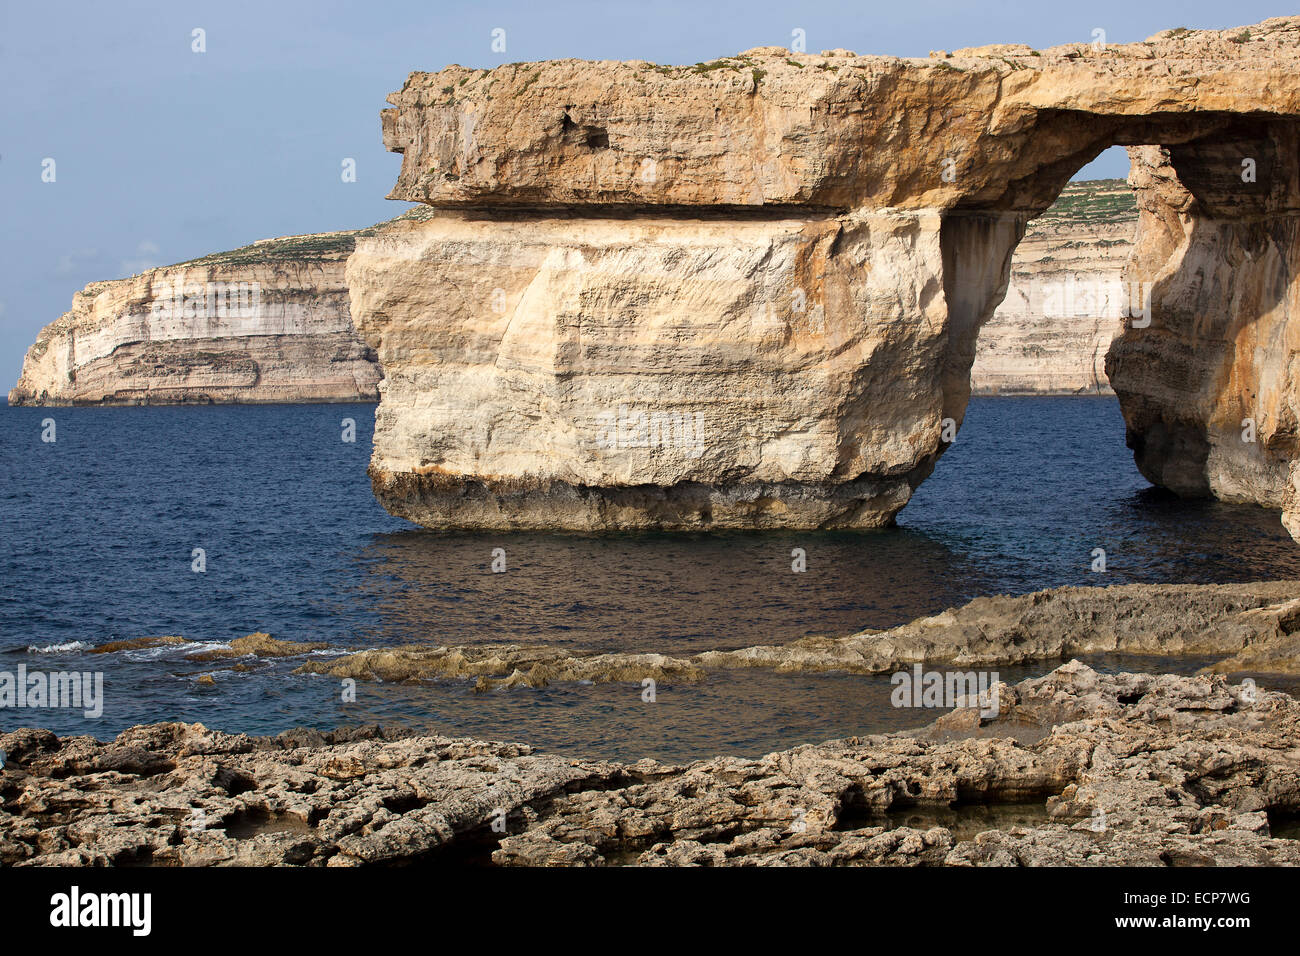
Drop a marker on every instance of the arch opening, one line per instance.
(1203, 356)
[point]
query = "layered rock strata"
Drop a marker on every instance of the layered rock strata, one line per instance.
(1128, 769)
(1066, 300)
(1048, 337)
(266, 323)
(747, 293)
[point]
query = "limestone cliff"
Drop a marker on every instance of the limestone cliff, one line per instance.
(1066, 299)
(747, 293)
(646, 371)
(266, 323)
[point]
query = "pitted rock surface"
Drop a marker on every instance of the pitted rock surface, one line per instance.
(1126, 769)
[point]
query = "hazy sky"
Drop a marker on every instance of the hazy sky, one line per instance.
(163, 154)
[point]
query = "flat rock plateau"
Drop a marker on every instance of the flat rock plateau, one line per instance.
(1073, 768)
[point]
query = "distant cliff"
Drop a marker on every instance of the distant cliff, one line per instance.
(1065, 301)
(270, 322)
(265, 323)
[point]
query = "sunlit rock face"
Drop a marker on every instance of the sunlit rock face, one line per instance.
(650, 372)
(748, 293)
(268, 323)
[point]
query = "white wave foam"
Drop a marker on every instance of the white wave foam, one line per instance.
(58, 648)
(171, 650)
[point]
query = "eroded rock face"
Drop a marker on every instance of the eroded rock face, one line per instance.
(1122, 769)
(649, 372)
(788, 258)
(268, 323)
(1208, 388)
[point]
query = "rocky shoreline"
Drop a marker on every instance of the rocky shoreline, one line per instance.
(1128, 769)
(1073, 768)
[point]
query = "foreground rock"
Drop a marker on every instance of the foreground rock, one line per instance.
(1128, 769)
(1252, 627)
(747, 293)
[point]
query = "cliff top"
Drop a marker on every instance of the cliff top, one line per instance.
(999, 127)
(306, 247)
(1092, 202)
(1277, 37)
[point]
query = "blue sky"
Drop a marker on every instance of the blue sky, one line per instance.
(163, 154)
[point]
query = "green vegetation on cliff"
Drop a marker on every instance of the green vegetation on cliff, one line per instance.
(1092, 201)
(320, 245)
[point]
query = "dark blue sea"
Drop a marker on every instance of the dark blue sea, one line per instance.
(99, 529)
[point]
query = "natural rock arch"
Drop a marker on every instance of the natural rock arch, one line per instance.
(753, 299)
(1202, 370)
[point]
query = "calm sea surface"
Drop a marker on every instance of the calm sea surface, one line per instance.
(99, 528)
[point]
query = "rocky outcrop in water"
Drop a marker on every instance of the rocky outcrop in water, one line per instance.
(266, 323)
(1128, 769)
(747, 293)
(494, 666)
(1238, 628)
(1250, 627)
